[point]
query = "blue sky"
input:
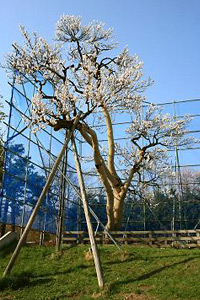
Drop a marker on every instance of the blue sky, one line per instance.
(164, 33)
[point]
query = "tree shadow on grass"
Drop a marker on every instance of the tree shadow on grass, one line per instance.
(19, 283)
(22, 280)
(6, 250)
(69, 270)
(116, 285)
(27, 279)
(132, 258)
(15, 281)
(172, 256)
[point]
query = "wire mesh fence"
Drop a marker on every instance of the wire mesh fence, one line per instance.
(28, 157)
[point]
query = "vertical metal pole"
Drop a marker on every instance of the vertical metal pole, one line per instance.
(3, 225)
(144, 207)
(62, 204)
(25, 186)
(179, 193)
(40, 199)
(79, 220)
(179, 180)
(87, 216)
(41, 238)
(144, 216)
(173, 211)
(42, 235)
(27, 164)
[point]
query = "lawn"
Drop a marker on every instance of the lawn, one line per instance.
(133, 274)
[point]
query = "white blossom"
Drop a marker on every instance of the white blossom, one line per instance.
(77, 72)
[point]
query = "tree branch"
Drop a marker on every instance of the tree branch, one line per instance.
(91, 138)
(111, 144)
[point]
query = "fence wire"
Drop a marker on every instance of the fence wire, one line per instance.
(26, 166)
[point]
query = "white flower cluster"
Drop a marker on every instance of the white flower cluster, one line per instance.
(63, 99)
(35, 58)
(39, 112)
(70, 29)
(80, 75)
(127, 154)
(158, 128)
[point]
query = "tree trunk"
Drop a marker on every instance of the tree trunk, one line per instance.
(110, 210)
(3, 229)
(118, 213)
(13, 228)
(115, 213)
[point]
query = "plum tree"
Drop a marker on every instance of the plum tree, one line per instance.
(84, 77)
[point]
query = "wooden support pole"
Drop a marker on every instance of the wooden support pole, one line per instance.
(87, 216)
(40, 199)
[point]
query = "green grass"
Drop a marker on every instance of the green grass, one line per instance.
(144, 273)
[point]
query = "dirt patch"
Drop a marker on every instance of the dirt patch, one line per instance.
(137, 297)
(88, 255)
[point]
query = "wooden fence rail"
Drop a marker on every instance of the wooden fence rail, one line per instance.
(165, 238)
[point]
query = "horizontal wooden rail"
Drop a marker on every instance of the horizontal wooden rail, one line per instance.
(164, 238)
